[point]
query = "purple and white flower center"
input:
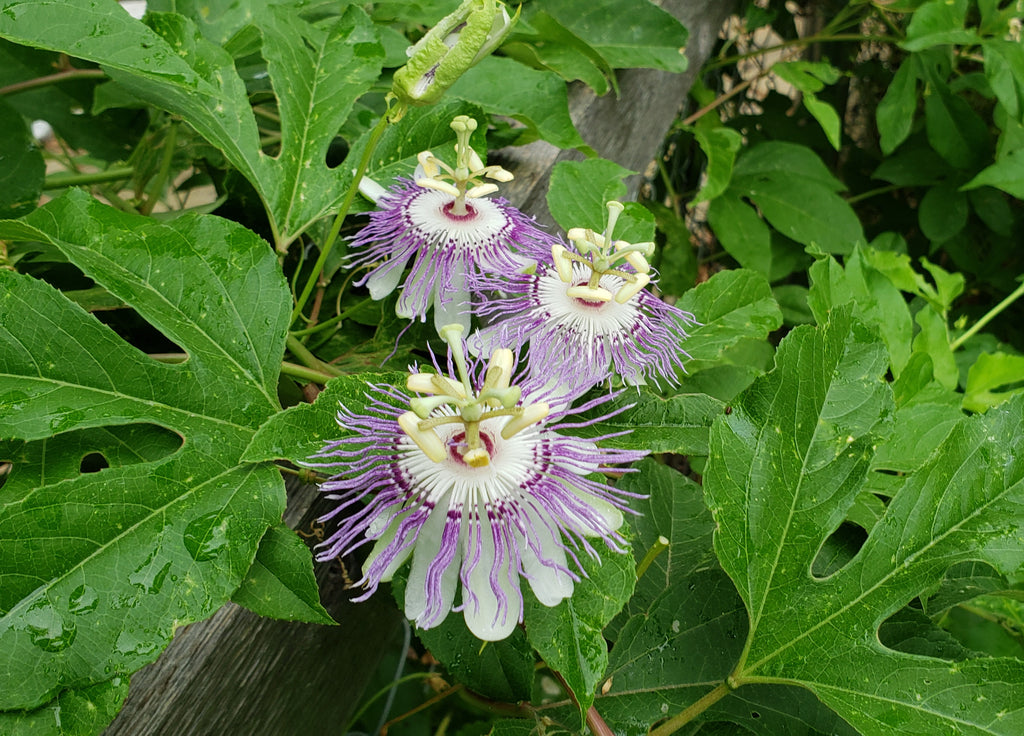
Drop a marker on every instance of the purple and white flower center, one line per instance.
(430, 215)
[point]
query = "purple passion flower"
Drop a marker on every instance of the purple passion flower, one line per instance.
(589, 312)
(443, 223)
(479, 482)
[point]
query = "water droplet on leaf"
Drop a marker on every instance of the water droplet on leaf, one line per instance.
(206, 537)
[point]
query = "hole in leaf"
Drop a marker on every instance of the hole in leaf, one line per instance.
(5, 470)
(754, 714)
(94, 462)
(138, 333)
(838, 549)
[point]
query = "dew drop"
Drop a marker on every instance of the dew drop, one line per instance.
(83, 599)
(206, 537)
(130, 643)
(47, 630)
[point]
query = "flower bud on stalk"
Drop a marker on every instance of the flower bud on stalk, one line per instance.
(449, 49)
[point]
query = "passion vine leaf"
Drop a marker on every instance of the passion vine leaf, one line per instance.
(569, 636)
(786, 465)
(687, 627)
(100, 568)
(280, 583)
(318, 71)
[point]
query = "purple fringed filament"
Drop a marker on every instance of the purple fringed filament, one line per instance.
(476, 484)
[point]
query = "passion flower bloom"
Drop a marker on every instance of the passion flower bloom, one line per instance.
(480, 482)
(587, 313)
(443, 223)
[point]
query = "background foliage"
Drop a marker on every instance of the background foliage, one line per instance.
(830, 539)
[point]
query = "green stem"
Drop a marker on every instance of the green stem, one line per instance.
(301, 352)
(384, 691)
(676, 722)
(992, 314)
(59, 181)
(49, 79)
(872, 193)
(659, 546)
(306, 374)
(333, 320)
(332, 236)
(156, 187)
(806, 41)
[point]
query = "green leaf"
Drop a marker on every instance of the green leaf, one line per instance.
(673, 508)
(786, 464)
(569, 636)
(580, 191)
(796, 194)
(896, 110)
(955, 130)
(677, 424)
(627, 33)
(301, 431)
(810, 77)
(502, 670)
(720, 145)
(933, 340)
(989, 374)
(1007, 174)
(741, 232)
(879, 301)
(22, 172)
(88, 595)
(555, 47)
(538, 99)
(939, 22)
(280, 583)
(74, 713)
(827, 118)
(732, 306)
(317, 71)
(676, 260)
(1004, 69)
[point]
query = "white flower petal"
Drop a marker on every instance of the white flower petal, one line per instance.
(385, 278)
(455, 307)
(488, 616)
(548, 574)
(383, 541)
(428, 546)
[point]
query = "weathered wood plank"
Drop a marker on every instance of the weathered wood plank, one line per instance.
(239, 674)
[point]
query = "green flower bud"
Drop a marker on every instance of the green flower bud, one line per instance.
(449, 49)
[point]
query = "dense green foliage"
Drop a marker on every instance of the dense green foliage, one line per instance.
(830, 535)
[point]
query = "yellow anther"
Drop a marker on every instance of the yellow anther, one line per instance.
(638, 262)
(499, 174)
(429, 164)
(530, 416)
(441, 186)
(427, 440)
(482, 190)
(599, 294)
(563, 264)
(499, 369)
(631, 288)
(432, 383)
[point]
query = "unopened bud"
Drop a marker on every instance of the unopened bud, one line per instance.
(449, 49)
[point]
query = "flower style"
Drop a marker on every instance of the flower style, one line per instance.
(476, 483)
(589, 311)
(443, 222)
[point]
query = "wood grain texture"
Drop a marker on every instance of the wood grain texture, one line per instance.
(236, 674)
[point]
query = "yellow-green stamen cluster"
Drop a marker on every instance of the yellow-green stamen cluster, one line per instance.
(603, 255)
(496, 398)
(467, 178)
